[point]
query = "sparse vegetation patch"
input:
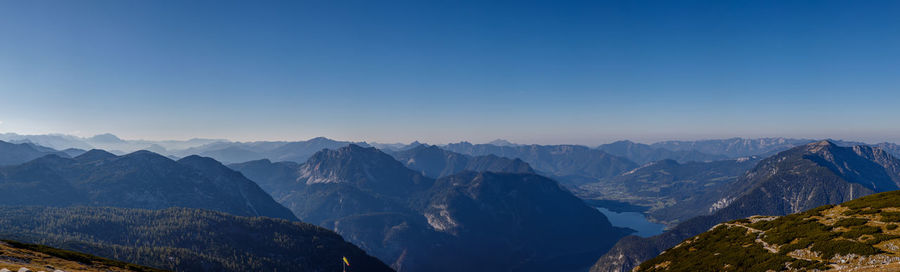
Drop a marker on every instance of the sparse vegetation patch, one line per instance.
(857, 233)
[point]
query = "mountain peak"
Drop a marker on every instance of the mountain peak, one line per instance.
(21, 143)
(12, 153)
(622, 142)
(106, 138)
(200, 160)
(819, 146)
(357, 147)
(142, 152)
(428, 147)
(863, 165)
(415, 144)
(94, 155)
(50, 159)
(148, 156)
(501, 142)
(462, 143)
(366, 167)
(320, 139)
(822, 143)
(209, 166)
(351, 155)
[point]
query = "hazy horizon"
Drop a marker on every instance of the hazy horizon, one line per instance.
(398, 71)
(442, 143)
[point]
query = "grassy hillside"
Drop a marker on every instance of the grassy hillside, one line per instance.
(15, 255)
(859, 235)
(793, 181)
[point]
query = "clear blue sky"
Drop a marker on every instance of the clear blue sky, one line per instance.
(444, 71)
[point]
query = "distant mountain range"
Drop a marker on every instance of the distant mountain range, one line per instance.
(792, 181)
(681, 151)
(643, 153)
(468, 221)
(102, 141)
(569, 164)
(462, 206)
(234, 152)
(154, 233)
(181, 239)
(434, 162)
(734, 147)
(138, 180)
(716, 149)
(12, 154)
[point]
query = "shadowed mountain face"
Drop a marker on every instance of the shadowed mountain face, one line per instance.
(12, 154)
(671, 191)
(270, 176)
(138, 180)
(464, 222)
(181, 239)
(434, 162)
(795, 180)
(490, 213)
(572, 165)
(73, 152)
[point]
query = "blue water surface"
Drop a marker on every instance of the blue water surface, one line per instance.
(633, 220)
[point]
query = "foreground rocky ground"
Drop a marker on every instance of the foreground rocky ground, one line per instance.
(860, 235)
(20, 257)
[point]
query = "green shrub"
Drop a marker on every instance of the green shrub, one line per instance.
(829, 248)
(819, 210)
(869, 211)
(874, 202)
(763, 225)
(809, 265)
(718, 248)
(850, 222)
(800, 244)
(858, 231)
(786, 231)
(890, 217)
(880, 237)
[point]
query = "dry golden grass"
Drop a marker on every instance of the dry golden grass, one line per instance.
(14, 258)
(893, 267)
